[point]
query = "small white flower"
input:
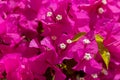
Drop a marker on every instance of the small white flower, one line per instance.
(62, 46)
(69, 41)
(49, 14)
(53, 37)
(87, 56)
(86, 41)
(94, 75)
(59, 17)
(104, 2)
(100, 10)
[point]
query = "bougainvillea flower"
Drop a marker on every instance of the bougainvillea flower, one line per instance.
(46, 62)
(13, 67)
(112, 43)
(59, 39)
(3, 27)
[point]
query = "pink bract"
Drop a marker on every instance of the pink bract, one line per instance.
(59, 39)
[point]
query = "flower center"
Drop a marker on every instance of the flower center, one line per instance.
(49, 14)
(104, 2)
(86, 41)
(62, 46)
(100, 10)
(87, 56)
(69, 41)
(59, 17)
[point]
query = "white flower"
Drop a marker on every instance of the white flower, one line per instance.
(69, 41)
(87, 56)
(59, 17)
(104, 2)
(86, 41)
(49, 14)
(62, 46)
(100, 10)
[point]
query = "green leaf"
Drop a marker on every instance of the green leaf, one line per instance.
(78, 36)
(102, 50)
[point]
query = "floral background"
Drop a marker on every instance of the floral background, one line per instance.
(59, 39)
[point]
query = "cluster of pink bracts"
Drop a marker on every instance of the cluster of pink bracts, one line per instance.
(59, 39)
